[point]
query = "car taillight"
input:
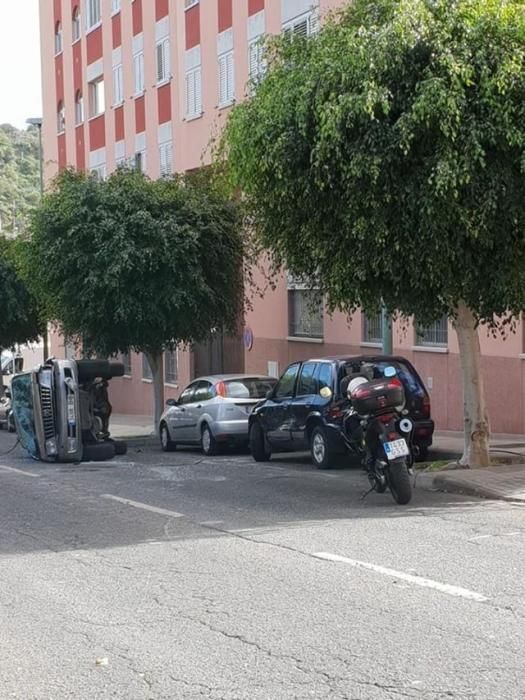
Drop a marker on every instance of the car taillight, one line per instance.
(335, 412)
(393, 436)
(220, 390)
(394, 383)
(426, 407)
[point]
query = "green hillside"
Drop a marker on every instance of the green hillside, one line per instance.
(19, 177)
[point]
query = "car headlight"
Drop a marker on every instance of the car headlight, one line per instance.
(51, 446)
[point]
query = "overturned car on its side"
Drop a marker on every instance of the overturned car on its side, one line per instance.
(61, 410)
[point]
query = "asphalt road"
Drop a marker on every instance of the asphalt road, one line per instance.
(178, 576)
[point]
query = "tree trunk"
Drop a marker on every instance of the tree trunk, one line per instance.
(477, 430)
(157, 369)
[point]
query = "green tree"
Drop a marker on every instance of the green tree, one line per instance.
(130, 263)
(385, 159)
(19, 177)
(19, 319)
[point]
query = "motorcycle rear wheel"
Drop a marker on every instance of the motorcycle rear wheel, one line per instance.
(399, 482)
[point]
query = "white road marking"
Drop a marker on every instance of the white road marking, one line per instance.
(456, 591)
(142, 506)
(19, 471)
(487, 537)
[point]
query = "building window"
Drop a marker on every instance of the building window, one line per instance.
(163, 61)
(304, 25)
(118, 85)
(256, 62)
(146, 369)
(61, 117)
(125, 358)
(226, 79)
(190, 3)
(69, 350)
(138, 68)
(139, 162)
(193, 93)
(373, 328)
(436, 334)
(93, 13)
(58, 38)
(115, 6)
(305, 313)
(96, 98)
(79, 108)
(170, 367)
(76, 24)
(165, 158)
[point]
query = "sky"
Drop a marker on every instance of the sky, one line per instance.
(20, 88)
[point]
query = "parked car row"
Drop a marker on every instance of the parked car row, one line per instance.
(303, 410)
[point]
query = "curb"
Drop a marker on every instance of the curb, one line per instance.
(449, 484)
(140, 440)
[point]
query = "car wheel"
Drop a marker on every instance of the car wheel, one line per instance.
(258, 445)
(421, 454)
(319, 448)
(98, 452)
(208, 443)
(166, 442)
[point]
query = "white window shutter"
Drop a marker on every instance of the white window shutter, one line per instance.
(198, 91)
(230, 76)
(301, 28)
(167, 59)
(222, 80)
(160, 62)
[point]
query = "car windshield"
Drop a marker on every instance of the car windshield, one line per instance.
(249, 388)
(22, 404)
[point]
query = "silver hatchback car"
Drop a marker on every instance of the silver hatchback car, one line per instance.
(212, 411)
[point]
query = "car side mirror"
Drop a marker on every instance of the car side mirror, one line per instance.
(172, 402)
(7, 394)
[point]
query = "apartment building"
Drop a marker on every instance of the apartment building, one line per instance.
(151, 82)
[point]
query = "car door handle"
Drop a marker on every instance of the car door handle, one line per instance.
(199, 406)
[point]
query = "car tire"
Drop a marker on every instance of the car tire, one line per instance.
(421, 454)
(166, 442)
(258, 445)
(209, 444)
(98, 452)
(320, 451)
(88, 370)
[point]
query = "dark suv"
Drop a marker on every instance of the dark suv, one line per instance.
(307, 401)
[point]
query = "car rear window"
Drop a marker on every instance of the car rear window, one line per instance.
(248, 388)
(408, 377)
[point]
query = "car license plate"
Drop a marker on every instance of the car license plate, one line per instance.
(396, 449)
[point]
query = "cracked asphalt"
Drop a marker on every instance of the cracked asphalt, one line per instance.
(177, 576)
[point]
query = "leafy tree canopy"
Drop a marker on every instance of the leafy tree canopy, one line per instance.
(385, 157)
(19, 320)
(134, 263)
(19, 177)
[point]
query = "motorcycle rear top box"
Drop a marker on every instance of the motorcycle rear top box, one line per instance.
(378, 396)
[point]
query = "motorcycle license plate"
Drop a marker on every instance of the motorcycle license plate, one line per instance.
(396, 449)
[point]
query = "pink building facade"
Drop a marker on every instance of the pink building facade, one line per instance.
(150, 82)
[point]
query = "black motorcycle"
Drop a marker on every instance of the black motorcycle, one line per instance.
(377, 430)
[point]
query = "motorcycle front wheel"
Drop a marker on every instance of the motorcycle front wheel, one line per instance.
(399, 482)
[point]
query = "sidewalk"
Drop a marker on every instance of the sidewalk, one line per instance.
(505, 483)
(128, 426)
